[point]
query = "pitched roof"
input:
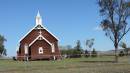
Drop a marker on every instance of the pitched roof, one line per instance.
(38, 26)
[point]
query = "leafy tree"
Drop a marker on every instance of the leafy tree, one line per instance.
(2, 48)
(94, 53)
(90, 43)
(63, 51)
(115, 14)
(68, 47)
(69, 51)
(86, 53)
(126, 49)
(78, 49)
(123, 45)
(66, 50)
(72, 52)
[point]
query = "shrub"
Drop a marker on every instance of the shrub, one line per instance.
(121, 53)
(14, 58)
(75, 56)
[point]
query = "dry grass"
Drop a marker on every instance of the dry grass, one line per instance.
(79, 65)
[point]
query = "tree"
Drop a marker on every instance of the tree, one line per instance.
(86, 53)
(66, 50)
(94, 53)
(78, 47)
(2, 48)
(116, 13)
(126, 49)
(90, 43)
(68, 47)
(123, 45)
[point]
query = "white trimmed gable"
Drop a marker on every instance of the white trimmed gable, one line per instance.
(40, 36)
(37, 27)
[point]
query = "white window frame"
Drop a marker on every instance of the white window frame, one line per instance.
(53, 48)
(40, 50)
(26, 49)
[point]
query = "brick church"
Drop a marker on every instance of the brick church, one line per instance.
(38, 43)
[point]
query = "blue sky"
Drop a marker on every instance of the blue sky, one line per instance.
(69, 20)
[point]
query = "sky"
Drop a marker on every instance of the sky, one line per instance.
(69, 20)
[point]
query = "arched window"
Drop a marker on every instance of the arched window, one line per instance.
(53, 48)
(40, 50)
(26, 48)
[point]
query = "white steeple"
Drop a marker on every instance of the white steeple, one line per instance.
(38, 19)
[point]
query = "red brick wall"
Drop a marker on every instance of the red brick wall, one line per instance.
(35, 50)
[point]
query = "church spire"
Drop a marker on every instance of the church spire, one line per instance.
(38, 19)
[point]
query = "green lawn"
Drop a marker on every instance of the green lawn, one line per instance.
(79, 65)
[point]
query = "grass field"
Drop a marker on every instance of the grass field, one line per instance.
(79, 65)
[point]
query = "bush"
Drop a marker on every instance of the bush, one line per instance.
(71, 53)
(14, 58)
(75, 56)
(121, 53)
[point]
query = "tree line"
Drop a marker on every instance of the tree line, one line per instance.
(77, 51)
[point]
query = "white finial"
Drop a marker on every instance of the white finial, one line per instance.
(38, 14)
(38, 19)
